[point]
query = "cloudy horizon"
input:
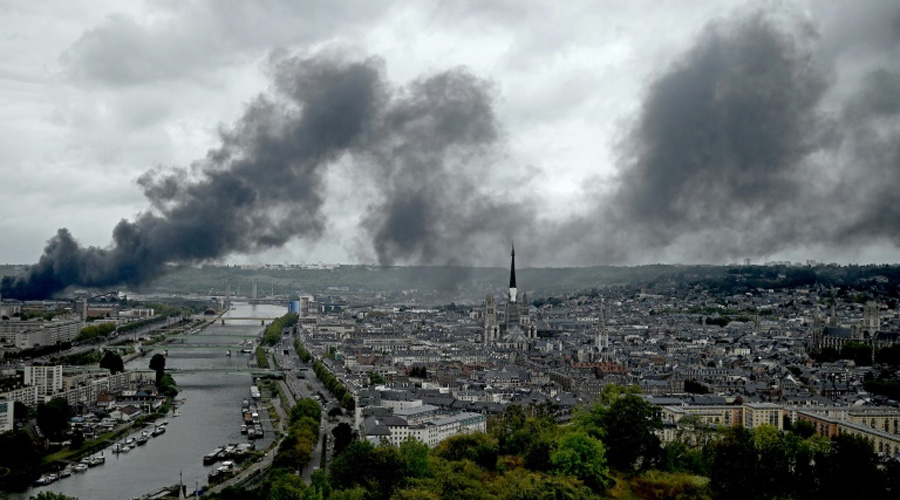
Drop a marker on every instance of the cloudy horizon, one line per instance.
(588, 133)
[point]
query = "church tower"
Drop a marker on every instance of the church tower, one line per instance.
(491, 325)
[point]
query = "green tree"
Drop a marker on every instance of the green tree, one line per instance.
(53, 418)
(694, 387)
(612, 392)
(774, 461)
(112, 362)
(851, 457)
(521, 484)
(375, 378)
(21, 410)
(733, 466)
(158, 363)
(478, 447)
(343, 435)
(859, 352)
(379, 470)
(348, 402)
(49, 495)
(167, 386)
(655, 484)
(287, 487)
(629, 427)
(584, 457)
(19, 456)
(415, 455)
(306, 407)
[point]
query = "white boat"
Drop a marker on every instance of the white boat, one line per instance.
(80, 467)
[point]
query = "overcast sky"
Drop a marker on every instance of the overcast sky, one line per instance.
(577, 158)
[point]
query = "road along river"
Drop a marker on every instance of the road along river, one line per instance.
(210, 417)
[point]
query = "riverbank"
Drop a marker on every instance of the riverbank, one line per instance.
(212, 383)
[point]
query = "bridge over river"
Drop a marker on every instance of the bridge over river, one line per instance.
(253, 371)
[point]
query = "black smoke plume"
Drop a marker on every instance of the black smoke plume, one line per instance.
(264, 185)
(260, 188)
(757, 140)
(435, 143)
(722, 137)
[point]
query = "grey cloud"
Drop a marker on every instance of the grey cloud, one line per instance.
(200, 37)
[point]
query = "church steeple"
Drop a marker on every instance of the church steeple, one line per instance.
(512, 269)
(512, 276)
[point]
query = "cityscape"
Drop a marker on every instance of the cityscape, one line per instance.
(492, 250)
(784, 348)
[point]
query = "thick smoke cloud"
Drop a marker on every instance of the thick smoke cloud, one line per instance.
(722, 137)
(264, 185)
(435, 145)
(771, 132)
(756, 141)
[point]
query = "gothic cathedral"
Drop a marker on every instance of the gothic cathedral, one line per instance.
(516, 331)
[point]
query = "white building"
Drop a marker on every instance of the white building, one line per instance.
(395, 429)
(47, 379)
(26, 395)
(25, 334)
(6, 415)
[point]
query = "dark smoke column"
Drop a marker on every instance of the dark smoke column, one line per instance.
(259, 189)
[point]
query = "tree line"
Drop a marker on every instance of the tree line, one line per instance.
(334, 386)
(273, 331)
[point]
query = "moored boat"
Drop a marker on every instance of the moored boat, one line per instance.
(212, 456)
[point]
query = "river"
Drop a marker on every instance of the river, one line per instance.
(209, 417)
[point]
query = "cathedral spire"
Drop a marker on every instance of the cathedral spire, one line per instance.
(512, 268)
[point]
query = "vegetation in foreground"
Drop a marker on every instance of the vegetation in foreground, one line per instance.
(610, 450)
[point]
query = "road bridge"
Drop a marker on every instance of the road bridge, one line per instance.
(262, 321)
(167, 347)
(215, 336)
(255, 372)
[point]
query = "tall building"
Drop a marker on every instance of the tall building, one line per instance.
(47, 379)
(516, 331)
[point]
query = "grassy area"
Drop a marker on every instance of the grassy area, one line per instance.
(261, 360)
(89, 447)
